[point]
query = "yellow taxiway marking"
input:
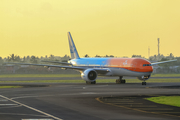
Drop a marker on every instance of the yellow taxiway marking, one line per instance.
(128, 103)
(136, 109)
(155, 108)
(140, 106)
(118, 101)
(168, 112)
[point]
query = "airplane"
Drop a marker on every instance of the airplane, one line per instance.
(90, 68)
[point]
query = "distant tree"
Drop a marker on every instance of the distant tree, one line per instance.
(5, 59)
(164, 59)
(136, 56)
(24, 58)
(1, 60)
(171, 55)
(33, 59)
(8, 59)
(97, 56)
(111, 56)
(86, 55)
(51, 57)
(65, 58)
(12, 57)
(17, 58)
(28, 57)
(150, 58)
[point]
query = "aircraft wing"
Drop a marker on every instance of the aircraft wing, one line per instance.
(163, 62)
(65, 63)
(46, 65)
(98, 70)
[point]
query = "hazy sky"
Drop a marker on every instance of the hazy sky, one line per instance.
(98, 27)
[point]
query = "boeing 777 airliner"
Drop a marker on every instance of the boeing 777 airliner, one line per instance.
(90, 68)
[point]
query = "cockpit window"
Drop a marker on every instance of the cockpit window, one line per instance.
(147, 65)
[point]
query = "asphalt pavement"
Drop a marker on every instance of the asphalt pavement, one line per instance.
(79, 101)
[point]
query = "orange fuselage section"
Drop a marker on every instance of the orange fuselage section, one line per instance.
(133, 64)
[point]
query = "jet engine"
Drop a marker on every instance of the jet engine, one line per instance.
(144, 77)
(89, 75)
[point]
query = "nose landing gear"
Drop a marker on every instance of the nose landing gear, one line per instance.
(144, 83)
(120, 80)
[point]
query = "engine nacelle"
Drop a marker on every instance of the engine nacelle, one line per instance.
(144, 77)
(89, 75)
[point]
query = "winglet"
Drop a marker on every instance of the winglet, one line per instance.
(73, 50)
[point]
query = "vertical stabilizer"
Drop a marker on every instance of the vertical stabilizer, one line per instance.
(73, 50)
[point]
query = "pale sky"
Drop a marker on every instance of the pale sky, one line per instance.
(98, 27)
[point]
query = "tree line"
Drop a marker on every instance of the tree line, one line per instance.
(33, 58)
(65, 58)
(172, 67)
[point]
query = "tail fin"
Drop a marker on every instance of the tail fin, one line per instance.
(73, 50)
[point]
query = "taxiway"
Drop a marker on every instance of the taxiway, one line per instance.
(79, 101)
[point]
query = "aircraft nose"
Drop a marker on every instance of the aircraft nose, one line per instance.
(151, 69)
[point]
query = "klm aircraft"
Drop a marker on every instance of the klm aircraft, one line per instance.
(90, 68)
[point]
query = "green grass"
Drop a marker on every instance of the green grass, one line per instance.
(165, 75)
(10, 87)
(98, 81)
(70, 75)
(139, 81)
(167, 100)
(44, 81)
(38, 75)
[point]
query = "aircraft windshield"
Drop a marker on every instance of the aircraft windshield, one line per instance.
(147, 65)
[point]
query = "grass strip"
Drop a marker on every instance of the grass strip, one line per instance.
(38, 75)
(167, 100)
(165, 75)
(11, 87)
(70, 75)
(98, 81)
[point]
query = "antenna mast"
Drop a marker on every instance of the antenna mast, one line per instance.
(149, 51)
(158, 46)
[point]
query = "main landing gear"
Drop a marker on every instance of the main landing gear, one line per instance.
(94, 82)
(120, 80)
(144, 83)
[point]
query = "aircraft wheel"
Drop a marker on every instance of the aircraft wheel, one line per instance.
(143, 83)
(123, 81)
(93, 82)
